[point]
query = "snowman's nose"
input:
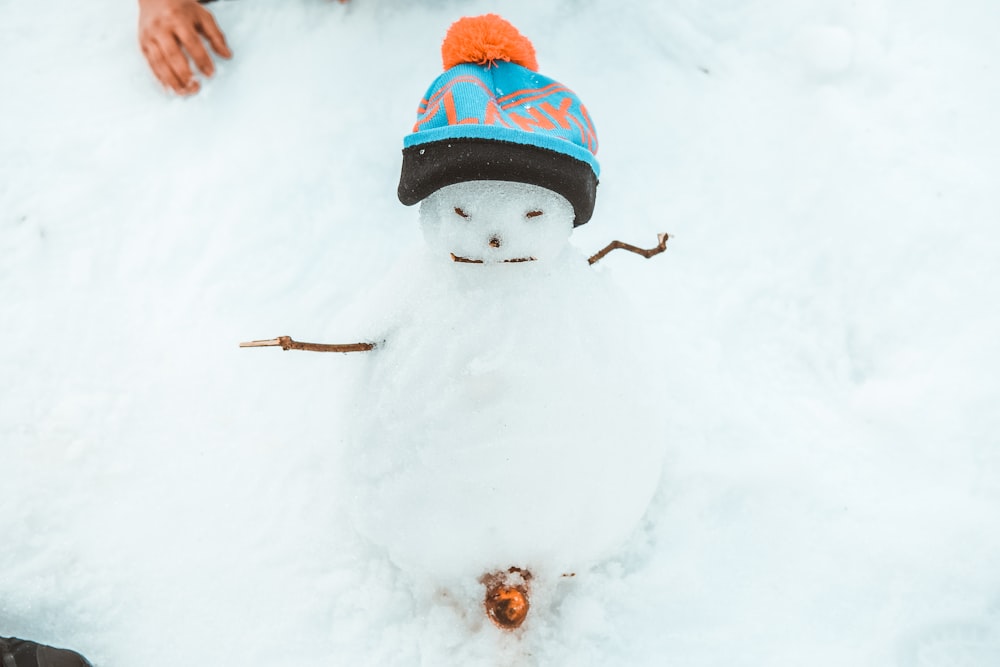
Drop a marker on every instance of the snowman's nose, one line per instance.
(495, 241)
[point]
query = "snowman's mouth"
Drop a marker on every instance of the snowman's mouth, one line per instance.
(466, 260)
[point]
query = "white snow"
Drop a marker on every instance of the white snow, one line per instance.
(507, 417)
(823, 322)
(488, 221)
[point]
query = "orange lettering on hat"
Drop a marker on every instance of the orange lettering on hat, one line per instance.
(591, 134)
(452, 114)
(493, 116)
(529, 124)
(560, 115)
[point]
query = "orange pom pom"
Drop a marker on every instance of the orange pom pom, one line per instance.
(483, 40)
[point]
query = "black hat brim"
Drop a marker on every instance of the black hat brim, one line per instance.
(430, 166)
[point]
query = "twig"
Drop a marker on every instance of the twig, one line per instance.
(618, 245)
(465, 260)
(286, 343)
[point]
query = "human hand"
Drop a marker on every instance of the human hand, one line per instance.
(170, 32)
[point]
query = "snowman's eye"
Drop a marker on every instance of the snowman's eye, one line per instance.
(461, 212)
(533, 214)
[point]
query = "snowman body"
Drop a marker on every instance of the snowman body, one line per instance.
(505, 421)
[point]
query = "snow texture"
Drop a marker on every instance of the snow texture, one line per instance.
(507, 418)
(818, 342)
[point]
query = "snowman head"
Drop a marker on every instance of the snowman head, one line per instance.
(499, 142)
(492, 222)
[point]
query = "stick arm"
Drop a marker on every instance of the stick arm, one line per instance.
(645, 252)
(286, 343)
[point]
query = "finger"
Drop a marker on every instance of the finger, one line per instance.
(161, 70)
(192, 44)
(210, 29)
(177, 62)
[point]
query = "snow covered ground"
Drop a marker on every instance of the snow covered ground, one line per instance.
(827, 170)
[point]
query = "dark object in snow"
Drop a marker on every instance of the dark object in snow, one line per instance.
(618, 245)
(466, 260)
(430, 166)
(287, 343)
(16, 652)
(507, 597)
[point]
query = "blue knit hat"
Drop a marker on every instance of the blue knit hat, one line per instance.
(491, 116)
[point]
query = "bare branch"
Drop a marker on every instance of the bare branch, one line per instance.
(466, 260)
(618, 245)
(286, 343)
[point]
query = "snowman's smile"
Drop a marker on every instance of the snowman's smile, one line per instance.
(496, 222)
(466, 260)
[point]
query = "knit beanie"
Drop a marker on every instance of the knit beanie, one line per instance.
(492, 117)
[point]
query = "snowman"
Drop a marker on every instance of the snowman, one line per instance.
(503, 436)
